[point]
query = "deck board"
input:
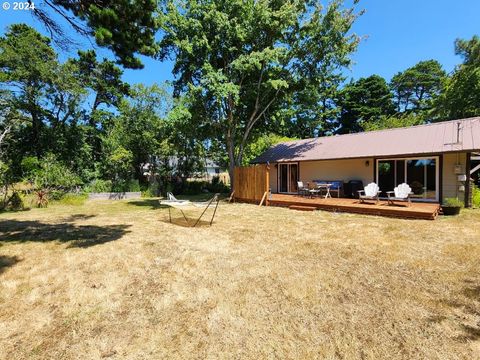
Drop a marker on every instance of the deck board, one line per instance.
(417, 210)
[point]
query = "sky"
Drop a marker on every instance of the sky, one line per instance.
(396, 35)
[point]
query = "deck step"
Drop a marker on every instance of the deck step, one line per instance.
(302, 207)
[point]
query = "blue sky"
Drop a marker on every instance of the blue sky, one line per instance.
(399, 33)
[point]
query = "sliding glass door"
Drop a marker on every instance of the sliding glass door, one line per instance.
(420, 173)
(287, 178)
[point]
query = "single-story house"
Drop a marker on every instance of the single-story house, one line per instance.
(434, 159)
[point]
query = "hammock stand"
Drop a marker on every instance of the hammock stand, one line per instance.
(182, 205)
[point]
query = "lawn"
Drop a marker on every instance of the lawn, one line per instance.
(115, 280)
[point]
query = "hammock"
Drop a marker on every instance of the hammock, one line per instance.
(184, 205)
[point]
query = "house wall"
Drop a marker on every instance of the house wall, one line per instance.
(450, 183)
(273, 178)
(354, 169)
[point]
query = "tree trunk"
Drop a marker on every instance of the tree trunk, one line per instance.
(231, 159)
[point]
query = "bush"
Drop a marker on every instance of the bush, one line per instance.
(53, 174)
(98, 185)
(453, 202)
(476, 196)
(73, 199)
(15, 202)
(216, 186)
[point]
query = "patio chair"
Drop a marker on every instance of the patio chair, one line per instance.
(184, 205)
(370, 192)
(401, 193)
(302, 190)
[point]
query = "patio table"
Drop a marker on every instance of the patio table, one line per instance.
(325, 187)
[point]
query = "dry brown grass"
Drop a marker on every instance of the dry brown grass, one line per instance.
(115, 280)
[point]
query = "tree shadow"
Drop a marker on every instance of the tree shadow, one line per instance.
(151, 203)
(180, 221)
(7, 261)
(292, 150)
(78, 235)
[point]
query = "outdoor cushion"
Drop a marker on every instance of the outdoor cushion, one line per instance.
(336, 184)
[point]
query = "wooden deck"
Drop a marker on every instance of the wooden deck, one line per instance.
(424, 211)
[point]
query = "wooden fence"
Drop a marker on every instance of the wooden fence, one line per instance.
(251, 183)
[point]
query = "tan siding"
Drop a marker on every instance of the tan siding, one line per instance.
(273, 178)
(330, 170)
(450, 183)
(337, 170)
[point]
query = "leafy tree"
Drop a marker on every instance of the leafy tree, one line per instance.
(28, 65)
(137, 132)
(261, 144)
(365, 100)
(461, 93)
(396, 121)
(416, 88)
(127, 27)
(241, 61)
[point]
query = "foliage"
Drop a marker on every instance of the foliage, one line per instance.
(15, 202)
(461, 93)
(73, 199)
(416, 88)
(52, 174)
(98, 185)
(453, 202)
(41, 198)
(365, 100)
(476, 197)
(396, 121)
(126, 27)
(240, 63)
(259, 145)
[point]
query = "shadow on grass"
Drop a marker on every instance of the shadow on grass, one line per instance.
(151, 203)
(7, 261)
(78, 235)
(180, 221)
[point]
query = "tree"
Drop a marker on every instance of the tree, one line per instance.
(127, 27)
(136, 135)
(242, 60)
(28, 65)
(461, 92)
(395, 121)
(365, 100)
(103, 80)
(416, 88)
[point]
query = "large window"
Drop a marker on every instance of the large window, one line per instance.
(420, 173)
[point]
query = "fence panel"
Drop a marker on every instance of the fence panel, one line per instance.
(251, 182)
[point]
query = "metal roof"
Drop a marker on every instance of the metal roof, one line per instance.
(441, 137)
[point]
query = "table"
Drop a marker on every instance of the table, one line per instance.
(326, 187)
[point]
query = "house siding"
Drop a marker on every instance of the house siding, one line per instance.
(352, 169)
(450, 183)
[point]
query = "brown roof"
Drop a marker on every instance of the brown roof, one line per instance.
(433, 138)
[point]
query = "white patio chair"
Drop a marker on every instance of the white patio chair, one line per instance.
(301, 189)
(401, 193)
(370, 192)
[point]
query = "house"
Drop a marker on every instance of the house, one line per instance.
(434, 159)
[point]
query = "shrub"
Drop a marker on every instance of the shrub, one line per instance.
(476, 196)
(216, 186)
(73, 199)
(99, 185)
(15, 202)
(453, 202)
(54, 174)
